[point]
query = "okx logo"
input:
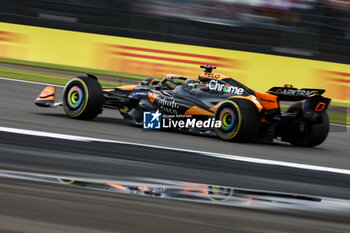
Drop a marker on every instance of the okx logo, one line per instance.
(151, 120)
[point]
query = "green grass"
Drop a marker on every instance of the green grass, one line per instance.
(75, 69)
(45, 77)
(339, 118)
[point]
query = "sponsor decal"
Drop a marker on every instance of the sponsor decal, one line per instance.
(168, 106)
(292, 92)
(226, 88)
(138, 94)
(168, 110)
(155, 120)
(168, 103)
(212, 75)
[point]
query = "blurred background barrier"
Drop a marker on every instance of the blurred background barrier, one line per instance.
(145, 57)
(311, 38)
(312, 29)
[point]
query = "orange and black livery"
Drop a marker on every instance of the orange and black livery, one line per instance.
(244, 114)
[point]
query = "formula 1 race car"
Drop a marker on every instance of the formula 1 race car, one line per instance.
(244, 114)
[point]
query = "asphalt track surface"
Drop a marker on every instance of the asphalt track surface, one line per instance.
(62, 209)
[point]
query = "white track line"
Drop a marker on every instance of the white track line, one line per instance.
(30, 82)
(209, 154)
(217, 155)
(339, 125)
(45, 134)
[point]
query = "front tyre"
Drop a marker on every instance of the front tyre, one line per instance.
(83, 98)
(240, 120)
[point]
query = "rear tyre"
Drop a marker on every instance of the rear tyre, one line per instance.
(240, 120)
(314, 134)
(83, 98)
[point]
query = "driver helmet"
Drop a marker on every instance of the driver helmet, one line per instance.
(192, 83)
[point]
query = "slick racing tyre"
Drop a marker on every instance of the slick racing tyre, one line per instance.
(314, 134)
(83, 98)
(240, 120)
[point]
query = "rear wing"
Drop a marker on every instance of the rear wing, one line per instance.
(289, 93)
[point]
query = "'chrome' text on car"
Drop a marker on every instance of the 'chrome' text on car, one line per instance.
(216, 86)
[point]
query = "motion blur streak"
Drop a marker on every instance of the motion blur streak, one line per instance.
(137, 56)
(215, 194)
(59, 208)
(217, 155)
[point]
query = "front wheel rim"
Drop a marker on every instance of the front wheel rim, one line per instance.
(75, 97)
